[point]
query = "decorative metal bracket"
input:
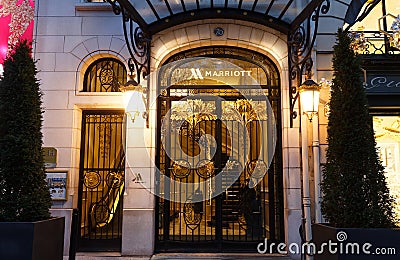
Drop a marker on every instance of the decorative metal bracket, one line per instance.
(138, 42)
(301, 41)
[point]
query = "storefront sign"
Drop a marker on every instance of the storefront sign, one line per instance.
(201, 74)
(381, 83)
(212, 71)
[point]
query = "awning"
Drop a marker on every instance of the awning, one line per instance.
(296, 18)
(155, 15)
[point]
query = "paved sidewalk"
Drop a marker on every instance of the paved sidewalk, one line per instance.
(218, 256)
(178, 256)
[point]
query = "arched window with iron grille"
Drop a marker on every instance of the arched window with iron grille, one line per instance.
(104, 75)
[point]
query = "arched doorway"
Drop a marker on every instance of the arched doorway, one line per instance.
(198, 147)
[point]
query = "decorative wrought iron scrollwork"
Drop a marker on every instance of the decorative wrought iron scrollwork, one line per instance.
(257, 169)
(92, 180)
(180, 168)
(244, 110)
(101, 213)
(137, 42)
(187, 115)
(205, 168)
(114, 180)
(104, 137)
(116, 8)
(372, 42)
(106, 76)
(193, 214)
(233, 165)
(242, 221)
(300, 45)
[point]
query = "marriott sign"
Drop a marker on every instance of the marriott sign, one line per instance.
(200, 74)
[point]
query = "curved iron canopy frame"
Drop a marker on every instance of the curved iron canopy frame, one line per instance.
(301, 41)
(301, 35)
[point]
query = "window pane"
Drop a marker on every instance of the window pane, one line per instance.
(219, 3)
(104, 75)
(205, 4)
(144, 10)
(190, 4)
(294, 10)
(262, 6)
(247, 4)
(161, 8)
(233, 4)
(175, 5)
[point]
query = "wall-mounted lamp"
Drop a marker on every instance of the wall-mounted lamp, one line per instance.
(394, 36)
(136, 99)
(309, 98)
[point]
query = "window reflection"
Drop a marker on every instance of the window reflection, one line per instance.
(387, 135)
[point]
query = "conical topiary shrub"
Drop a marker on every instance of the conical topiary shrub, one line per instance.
(24, 195)
(355, 193)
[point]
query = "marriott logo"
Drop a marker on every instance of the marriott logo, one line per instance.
(198, 74)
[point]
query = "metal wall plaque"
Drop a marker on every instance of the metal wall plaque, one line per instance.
(57, 183)
(50, 157)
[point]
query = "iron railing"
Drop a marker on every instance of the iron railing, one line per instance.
(372, 43)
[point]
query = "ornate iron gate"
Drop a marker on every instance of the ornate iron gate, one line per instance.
(101, 181)
(239, 216)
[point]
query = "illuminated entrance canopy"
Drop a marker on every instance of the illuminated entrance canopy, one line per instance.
(297, 19)
(155, 15)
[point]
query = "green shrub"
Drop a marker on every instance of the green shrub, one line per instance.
(24, 195)
(355, 193)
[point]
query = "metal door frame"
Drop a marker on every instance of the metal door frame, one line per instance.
(275, 171)
(114, 183)
(220, 245)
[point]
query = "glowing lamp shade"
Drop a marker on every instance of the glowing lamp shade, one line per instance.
(309, 98)
(136, 105)
(134, 99)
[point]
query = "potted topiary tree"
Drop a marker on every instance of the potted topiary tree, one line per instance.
(26, 229)
(356, 200)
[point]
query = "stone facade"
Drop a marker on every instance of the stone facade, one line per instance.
(70, 35)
